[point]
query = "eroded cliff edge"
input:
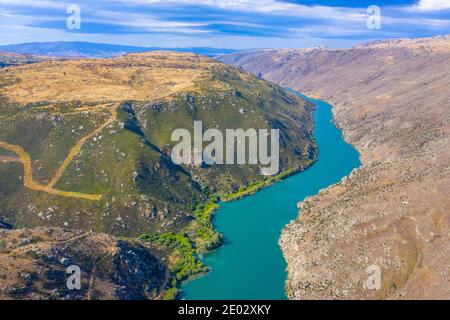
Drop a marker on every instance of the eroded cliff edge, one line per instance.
(392, 101)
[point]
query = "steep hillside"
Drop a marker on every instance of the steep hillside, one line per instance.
(86, 144)
(392, 101)
(35, 264)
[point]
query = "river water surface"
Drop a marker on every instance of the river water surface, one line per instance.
(250, 264)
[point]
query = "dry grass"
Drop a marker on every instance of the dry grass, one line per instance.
(146, 76)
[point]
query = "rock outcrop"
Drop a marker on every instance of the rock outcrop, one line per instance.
(38, 263)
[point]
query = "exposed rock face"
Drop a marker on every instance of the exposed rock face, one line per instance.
(392, 101)
(34, 265)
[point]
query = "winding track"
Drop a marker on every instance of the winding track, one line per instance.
(25, 159)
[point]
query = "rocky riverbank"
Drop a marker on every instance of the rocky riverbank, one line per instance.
(392, 215)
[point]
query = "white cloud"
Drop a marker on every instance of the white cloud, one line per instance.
(34, 3)
(143, 21)
(317, 24)
(265, 7)
(432, 5)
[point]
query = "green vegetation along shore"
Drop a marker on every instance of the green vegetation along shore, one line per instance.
(201, 236)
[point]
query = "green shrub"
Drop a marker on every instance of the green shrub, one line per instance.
(187, 263)
(171, 294)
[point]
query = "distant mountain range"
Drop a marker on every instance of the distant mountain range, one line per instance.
(96, 50)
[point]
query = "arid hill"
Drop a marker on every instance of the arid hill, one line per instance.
(391, 99)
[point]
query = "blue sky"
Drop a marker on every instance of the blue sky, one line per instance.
(236, 24)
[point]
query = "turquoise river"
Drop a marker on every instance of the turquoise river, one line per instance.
(250, 264)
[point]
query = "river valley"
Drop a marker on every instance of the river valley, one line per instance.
(250, 264)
